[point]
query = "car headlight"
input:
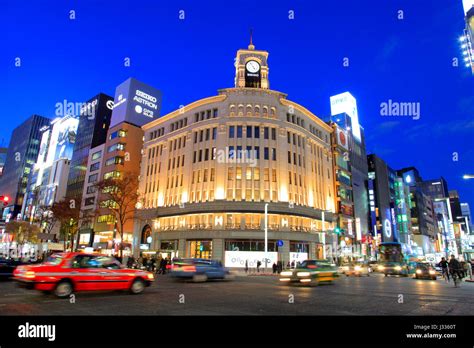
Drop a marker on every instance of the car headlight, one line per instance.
(303, 274)
(286, 274)
(381, 268)
(150, 276)
(418, 271)
(345, 268)
(432, 272)
(357, 268)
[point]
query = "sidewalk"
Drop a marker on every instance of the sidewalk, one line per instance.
(253, 273)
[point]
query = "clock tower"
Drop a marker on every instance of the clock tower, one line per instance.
(251, 68)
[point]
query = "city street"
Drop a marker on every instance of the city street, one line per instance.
(255, 295)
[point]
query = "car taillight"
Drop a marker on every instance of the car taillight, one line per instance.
(29, 274)
(189, 269)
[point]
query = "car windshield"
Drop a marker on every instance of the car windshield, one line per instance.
(54, 260)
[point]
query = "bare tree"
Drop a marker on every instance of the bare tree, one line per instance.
(119, 197)
(45, 218)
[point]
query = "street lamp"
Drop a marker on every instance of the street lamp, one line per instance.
(266, 235)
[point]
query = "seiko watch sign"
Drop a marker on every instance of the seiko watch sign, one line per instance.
(135, 103)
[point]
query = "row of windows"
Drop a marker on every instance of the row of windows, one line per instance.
(94, 167)
(203, 155)
(205, 135)
(116, 147)
(297, 139)
(316, 131)
(237, 152)
(157, 167)
(295, 119)
(249, 110)
(157, 133)
(205, 115)
(175, 162)
(251, 174)
(121, 133)
(237, 132)
(173, 182)
(176, 144)
(293, 179)
(156, 150)
(297, 159)
(178, 124)
(196, 178)
(115, 160)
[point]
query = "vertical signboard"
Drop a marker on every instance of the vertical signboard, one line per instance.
(346, 103)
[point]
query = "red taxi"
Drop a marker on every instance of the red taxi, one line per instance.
(65, 273)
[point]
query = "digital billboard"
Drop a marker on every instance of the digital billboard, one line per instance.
(346, 103)
(135, 103)
(66, 137)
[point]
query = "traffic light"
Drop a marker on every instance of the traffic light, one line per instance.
(337, 230)
(5, 200)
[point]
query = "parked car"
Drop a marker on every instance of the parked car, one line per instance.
(310, 272)
(199, 270)
(65, 273)
(424, 270)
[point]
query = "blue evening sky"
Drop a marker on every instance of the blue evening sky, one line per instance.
(408, 60)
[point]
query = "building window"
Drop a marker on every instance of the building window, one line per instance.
(273, 133)
(256, 132)
(89, 201)
(249, 131)
(231, 131)
(274, 154)
(214, 133)
(91, 189)
(112, 174)
(265, 153)
(239, 131)
(120, 133)
(257, 152)
(114, 160)
(96, 155)
(266, 133)
(94, 166)
(231, 152)
(92, 178)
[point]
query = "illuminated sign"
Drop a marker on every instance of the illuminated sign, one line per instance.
(298, 257)
(238, 258)
(358, 229)
(135, 103)
(346, 103)
(467, 5)
(342, 138)
(387, 228)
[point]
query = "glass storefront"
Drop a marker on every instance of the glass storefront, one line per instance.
(201, 249)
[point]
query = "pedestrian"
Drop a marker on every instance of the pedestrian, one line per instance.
(279, 267)
(468, 270)
(163, 266)
(274, 267)
(258, 266)
(246, 266)
(455, 267)
(444, 268)
(130, 262)
(293, 264)
(288, 265)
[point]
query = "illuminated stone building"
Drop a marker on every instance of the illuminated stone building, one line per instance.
(209, 168)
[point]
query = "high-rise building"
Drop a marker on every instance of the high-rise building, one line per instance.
(354, 216)
(94, 122)
(423, 220)
(460, 222)
(467, 38)
(3, 159)
(21, 155)
(48, 179)
(135, 105)
(211, 169)
(390, 204)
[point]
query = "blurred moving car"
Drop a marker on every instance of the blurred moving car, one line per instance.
(65, 273)
(310, 272)
(359, 269)
(424, 270)
(345, 268)
(393, 268)
(199, 270)
(7, 267)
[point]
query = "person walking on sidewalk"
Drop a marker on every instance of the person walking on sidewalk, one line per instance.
(258, 266)
(246, 266)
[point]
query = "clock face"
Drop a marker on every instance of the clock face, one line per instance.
(252, 66)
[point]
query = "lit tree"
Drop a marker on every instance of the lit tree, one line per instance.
(22, 231)
(119, 196)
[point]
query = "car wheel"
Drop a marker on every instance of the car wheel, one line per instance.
(386, 274)
(137, 286)
(63, 289)
(199, 278)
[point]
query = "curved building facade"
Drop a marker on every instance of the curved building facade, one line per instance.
(209, 168)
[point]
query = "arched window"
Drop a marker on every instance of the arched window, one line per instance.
(241, 110)
(248, 110)
(265, 111)
(232, 110)
(257, 110)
